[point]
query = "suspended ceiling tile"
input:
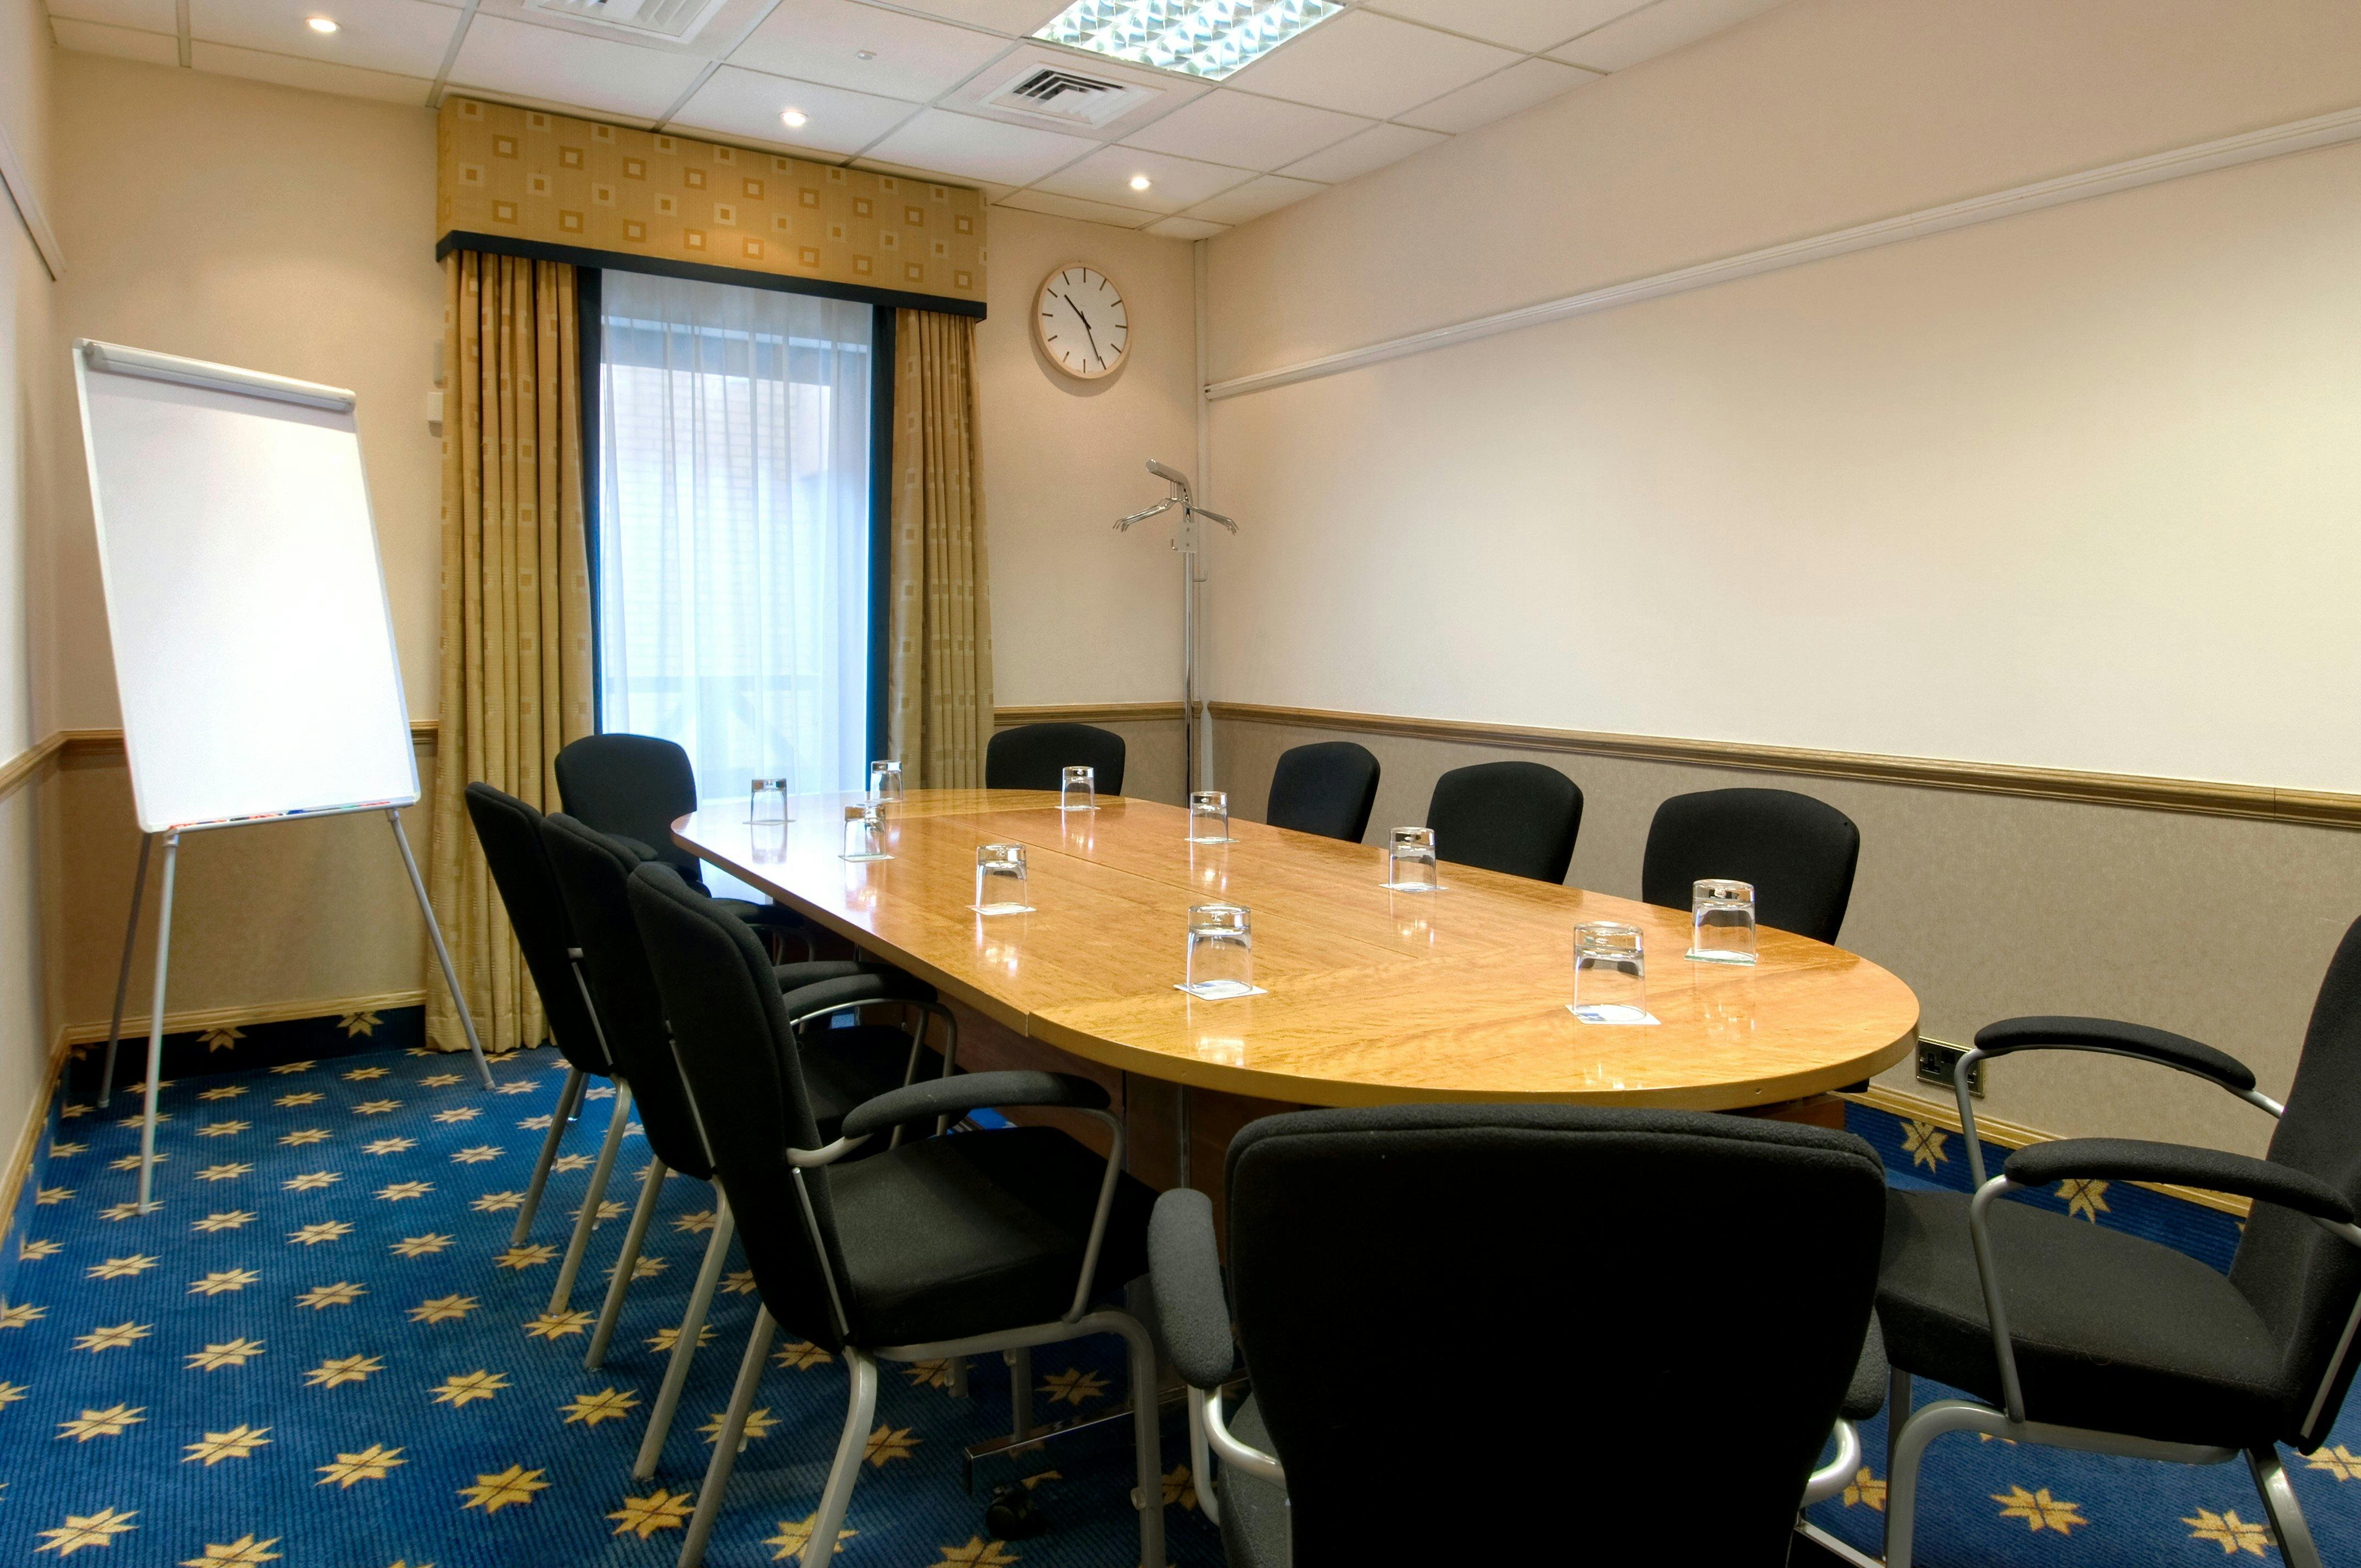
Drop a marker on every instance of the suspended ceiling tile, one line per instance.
(1173, 183)
(1529, 26)
(1658, 29)
(822, 40)
(1362, 63)
(406, 37)
(318, 75)
(1254, 198)
(145, 15)
(1372, 149)
(748, 104)
(1244, 131)
(1497, 96)
(123, 43)
(1185, 228)
(563, 67)
(965, 147)
(1015, 18)
(1075, 207)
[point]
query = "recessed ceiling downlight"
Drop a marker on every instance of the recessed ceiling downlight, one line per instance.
(1211, 38)
(1140, 182)
(793, 119)
(321, 24)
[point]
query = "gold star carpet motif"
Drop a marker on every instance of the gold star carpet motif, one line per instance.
(238, 1442)
(245, 1549)
(2231, 1533)
(796, 1534)
(371, 1463)
(2040, 1510)
(86, 1529)
(661, 1509)
(493, 1493)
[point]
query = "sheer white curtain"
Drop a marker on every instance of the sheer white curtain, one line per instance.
(733, 528)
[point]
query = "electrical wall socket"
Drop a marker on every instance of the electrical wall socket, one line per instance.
(1939, 1061)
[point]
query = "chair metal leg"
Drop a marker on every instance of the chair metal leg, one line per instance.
(955, 1376)
(588, 1220)
(122, 975)
(1903, 1456)
(684, 1348)
(1897, 1411)
(828, 1523)
(567, 1098)
(1020, 1392)
(733, 1431)
(2279, 1503)
(1146, 1410)
(650, 1188)
(156, 1024)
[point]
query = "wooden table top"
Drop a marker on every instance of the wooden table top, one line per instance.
(1373, 996)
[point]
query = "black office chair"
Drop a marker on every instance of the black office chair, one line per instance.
(508, 830)
(945, 1246)
(1517, 817)
(593, 877)
(1354, 1233)
(1799, 854)
(2081, 1337)
(634, 786)
(1034, 756)
(1327, 789)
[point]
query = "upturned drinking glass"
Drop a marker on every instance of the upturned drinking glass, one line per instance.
(1721, 921)
(1610, 974)
(1209, 817)
(766, 801)
(1410, 860)
(1077, 790)
(885, 782)
(1221, 951)
(864, 833)
(1000, 880)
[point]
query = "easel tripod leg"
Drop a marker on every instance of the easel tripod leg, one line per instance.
(156, 1022)
(441, 954)
(122, 975)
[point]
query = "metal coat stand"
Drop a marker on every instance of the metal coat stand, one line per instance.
(163, 961)
(1192, 577)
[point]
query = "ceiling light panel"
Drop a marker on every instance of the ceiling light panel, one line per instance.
(1210, 39)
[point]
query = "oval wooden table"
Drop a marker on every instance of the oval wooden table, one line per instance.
(1373, 996)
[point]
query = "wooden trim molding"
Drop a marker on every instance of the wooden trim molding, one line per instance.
(106, 745)
(2205, 797)
(1089, 713)
(2226, 152)
(19, 770)
(2015, 1135)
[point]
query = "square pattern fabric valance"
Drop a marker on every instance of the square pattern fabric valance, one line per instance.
(533, 176)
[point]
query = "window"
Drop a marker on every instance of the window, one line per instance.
(733, 527)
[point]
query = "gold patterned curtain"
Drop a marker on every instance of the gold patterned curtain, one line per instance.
(516, 604)
(938, 677)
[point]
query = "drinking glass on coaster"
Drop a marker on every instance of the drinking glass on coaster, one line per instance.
(1221, 952)
(885, 782)
(1079, 790)
(1721, 921)
(1000, 880)
(1410, 861)
(1209, 817)
(864, 832)
(1610, 974)
(766, 802)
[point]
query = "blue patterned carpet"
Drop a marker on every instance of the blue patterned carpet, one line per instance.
(323, 1351)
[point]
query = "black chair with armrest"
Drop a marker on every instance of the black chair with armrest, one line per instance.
(509, 831)
(1799, 853)
(843, 1067)
(2081, 1337)
(944, 1246)
(1327, 788)
(1035, 756)
(1517, 818)
(1356, 1234)
(634, 787)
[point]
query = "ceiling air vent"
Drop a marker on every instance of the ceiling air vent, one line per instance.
(1053, 93)
(675, 21)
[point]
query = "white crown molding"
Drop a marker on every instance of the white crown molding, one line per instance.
(2250, 147)
(20, 181)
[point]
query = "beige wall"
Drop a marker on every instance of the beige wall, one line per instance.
(30, 356)
(294, 232)
(1080, 613)
(2055, 490)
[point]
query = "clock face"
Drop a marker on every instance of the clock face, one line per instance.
(1082, 323)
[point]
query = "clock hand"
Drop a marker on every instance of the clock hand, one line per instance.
(1077, 309)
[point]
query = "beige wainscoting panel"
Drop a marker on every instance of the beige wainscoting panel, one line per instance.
(1988, 905)
(550, 179)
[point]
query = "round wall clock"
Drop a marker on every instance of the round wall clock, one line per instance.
(1081, 322)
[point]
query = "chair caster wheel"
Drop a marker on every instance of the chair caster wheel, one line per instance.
(1011, 1516)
